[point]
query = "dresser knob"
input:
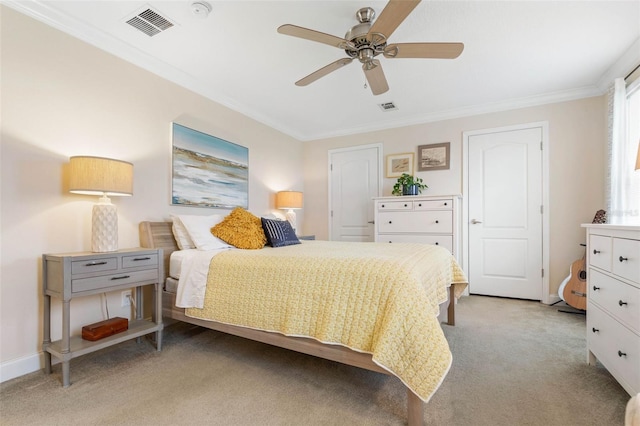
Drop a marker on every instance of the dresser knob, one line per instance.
(420, 205)
(437, 221)
(405, 205)
(437, 243)
(389, 222)
(596, 288)
(621, 354)
(596, 251)
(621, 303)
(445, 204)
(382, 206)
(389, 242)
(622, 259)
(595, 330)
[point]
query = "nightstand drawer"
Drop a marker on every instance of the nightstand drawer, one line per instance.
(140, 260)
(107, 281)
(445, 241)
(94, 265)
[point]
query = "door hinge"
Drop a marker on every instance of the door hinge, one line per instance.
(542, 273)
(331, 213)
(331, 167)
(541, 209)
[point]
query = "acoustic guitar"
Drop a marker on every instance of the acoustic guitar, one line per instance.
(575, 290)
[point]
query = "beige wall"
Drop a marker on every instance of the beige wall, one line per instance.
(62, 97)
(577, 140)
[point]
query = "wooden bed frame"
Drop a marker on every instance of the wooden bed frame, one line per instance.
(158, 235)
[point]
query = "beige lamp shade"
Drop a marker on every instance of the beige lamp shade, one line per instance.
(100, 176)
(104, 177)
(289, 200)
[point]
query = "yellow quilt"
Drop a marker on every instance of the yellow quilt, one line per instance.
(376, 298)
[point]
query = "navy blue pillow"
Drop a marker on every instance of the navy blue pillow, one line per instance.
(279, 233)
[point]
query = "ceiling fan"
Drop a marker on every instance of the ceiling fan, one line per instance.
(365, 41)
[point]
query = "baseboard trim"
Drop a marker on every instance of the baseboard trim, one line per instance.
(21, 366)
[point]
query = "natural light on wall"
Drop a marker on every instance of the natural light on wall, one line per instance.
(623, 198)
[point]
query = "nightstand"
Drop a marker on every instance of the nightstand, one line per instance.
(71, 275)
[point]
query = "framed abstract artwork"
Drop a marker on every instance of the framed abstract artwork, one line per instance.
(397, 164)
(208, 171)
(433, 157)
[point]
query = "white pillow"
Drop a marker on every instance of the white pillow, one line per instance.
(199, 230)
(181, 235)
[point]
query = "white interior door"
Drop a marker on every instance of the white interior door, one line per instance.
(354, 180)
(505, 220)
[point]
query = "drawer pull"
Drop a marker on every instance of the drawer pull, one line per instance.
(405, 205)
(120, 278)
(621, 354)
(622, 259)
(141, 258)
(596, 288)
(595, 330)
(419, 204)
(389, 242)
(621, 303)
(437, 221)
(95, 263)
(382, 206)
(437, 243)
(596, 251)
(445, 204)
(389, 222)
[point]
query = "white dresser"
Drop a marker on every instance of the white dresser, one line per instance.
(419, 219)
(613, 307)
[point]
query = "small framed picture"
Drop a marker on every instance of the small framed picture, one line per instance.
(397, 164)
(433, 157)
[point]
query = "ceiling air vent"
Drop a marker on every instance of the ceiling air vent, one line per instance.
(150, 22)
(388, 106)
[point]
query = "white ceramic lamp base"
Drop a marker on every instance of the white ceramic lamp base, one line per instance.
(291, 217)
(104, 228)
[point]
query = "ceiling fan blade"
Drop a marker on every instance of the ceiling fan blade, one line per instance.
(424, 50)
(375, 77)
(392, 16)
(323, 71)
(317, 36)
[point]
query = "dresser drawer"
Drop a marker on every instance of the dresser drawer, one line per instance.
(94, 265)
(426, 222)
(600, 252)
(433, 204)
(619, 299)
(445, 241)
(395, 205)
(140, 260)
(615, 346)
(626, 259)
(107, 281)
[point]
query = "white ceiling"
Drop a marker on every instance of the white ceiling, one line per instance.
(517, 54)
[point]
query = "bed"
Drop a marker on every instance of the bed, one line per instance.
(296, 335)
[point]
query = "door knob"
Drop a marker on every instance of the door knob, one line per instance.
(371, 222)
(473, 221)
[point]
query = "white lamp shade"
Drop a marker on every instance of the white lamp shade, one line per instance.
(104, 177)
(100, 176)
(289, 200)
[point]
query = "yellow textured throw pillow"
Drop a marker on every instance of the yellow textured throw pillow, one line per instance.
(241, 229)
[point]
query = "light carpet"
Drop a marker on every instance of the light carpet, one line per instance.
(514, 363)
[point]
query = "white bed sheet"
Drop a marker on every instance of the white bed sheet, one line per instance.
(192, 274)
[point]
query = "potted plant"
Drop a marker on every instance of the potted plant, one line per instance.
(408, 185)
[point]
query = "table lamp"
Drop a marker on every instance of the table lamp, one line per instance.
(290, 201)
(104, 177)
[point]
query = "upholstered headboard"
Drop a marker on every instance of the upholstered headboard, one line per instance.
(158, 235)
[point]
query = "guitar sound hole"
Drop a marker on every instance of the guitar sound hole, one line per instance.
(583, 275)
